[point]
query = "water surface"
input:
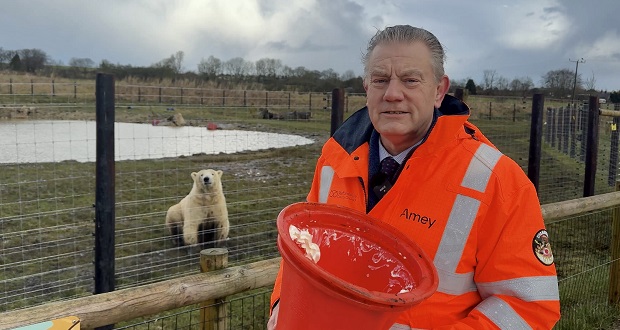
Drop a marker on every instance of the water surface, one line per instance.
(55, 141)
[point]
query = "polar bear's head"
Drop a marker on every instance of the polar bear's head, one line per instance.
(208, 180)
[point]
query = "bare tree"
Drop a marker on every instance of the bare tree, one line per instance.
(287, 71)
(261, 67)
(526, 84)
(210, 67)
(177, 61)
(521, 85)
(238, 67)
(33, 59)
(488, 77)
(300, 71)
(173, 63)
(502, 83)
(347, 75)
(81, 62)
(329, 74)
(561, 81)
(590, 83)
(6, 56)
(268, 67)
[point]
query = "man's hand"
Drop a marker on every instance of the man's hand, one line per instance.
(273, 320)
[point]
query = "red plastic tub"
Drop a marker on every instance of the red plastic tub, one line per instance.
(367, 274)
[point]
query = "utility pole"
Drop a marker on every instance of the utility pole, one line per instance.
(581, 60)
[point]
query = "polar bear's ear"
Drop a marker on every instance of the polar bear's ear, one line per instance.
(219, 173)
(194, 174)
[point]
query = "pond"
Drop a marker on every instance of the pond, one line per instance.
(60, 140)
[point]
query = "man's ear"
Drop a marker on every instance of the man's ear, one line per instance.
(442, 89)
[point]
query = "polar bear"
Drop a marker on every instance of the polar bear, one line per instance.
(202, 215)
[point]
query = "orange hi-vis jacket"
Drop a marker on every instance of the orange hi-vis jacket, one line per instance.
(473, 211)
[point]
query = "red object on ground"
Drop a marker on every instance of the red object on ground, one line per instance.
(211, 126)
(367, 274)
(155, 122)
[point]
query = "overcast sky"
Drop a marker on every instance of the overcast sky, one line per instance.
(515, 38)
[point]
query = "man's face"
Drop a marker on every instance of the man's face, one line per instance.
(402, 93)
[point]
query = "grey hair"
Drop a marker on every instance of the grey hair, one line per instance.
(408, 34)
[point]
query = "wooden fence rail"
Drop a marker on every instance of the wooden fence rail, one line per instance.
(127, 304)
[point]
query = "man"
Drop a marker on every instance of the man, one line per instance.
(471, 208)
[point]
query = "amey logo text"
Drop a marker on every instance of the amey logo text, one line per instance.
(422, 219)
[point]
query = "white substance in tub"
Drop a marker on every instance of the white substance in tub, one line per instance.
(304, 239)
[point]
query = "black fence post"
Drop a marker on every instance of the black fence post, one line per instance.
(105, 181)
(490, 110)
(573, 130)
(591, 148)
(337, 109)
(613, 152)
(533, 164)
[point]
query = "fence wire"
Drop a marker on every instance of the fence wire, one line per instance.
(47, 213)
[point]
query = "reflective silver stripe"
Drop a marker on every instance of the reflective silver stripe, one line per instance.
(500, 313)
(480, 168)
(398, 326)
(455, 235)
(455, 284)
(534, 288)
(327, 176)
(460, 222)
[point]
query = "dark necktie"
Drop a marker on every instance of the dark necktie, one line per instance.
(382, 182)
(389, 166)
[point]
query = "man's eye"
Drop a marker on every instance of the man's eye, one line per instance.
(379, 81)
(411, 81)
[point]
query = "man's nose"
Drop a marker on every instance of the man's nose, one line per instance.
(394, 91)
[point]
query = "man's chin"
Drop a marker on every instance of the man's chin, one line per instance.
(394, 129)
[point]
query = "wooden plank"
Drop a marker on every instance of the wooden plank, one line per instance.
(572, 207)
(127, 304)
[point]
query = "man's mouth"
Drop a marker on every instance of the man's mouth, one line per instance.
(394, 112)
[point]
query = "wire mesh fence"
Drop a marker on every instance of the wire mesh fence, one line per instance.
(581, 248)
(46, 204)
(248, 311)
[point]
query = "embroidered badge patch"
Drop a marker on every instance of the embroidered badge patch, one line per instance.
(542, 247)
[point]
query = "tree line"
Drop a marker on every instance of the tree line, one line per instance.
(272, 74)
